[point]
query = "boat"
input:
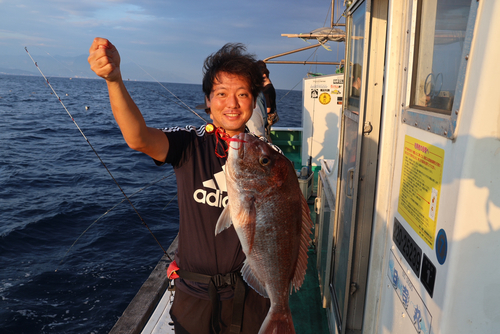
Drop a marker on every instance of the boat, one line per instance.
(402, 172)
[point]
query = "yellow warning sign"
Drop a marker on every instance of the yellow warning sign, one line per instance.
(421, 175)
(325, 98)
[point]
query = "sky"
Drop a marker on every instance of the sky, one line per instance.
(167, 39)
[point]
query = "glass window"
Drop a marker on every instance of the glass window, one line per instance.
(439, 45)
(357, 33)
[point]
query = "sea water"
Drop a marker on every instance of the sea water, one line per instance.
(53, 188)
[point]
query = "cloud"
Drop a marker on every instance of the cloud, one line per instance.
(165, 34)
(5, 34)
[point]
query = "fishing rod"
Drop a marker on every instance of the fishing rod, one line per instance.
(93, 149)
(112, 208)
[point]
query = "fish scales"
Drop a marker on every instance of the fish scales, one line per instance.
(272, 220)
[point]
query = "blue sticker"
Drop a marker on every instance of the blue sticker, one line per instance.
(441, 246)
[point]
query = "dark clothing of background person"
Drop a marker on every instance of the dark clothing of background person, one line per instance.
(270, 94)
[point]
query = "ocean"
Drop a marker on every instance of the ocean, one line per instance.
(53, 188)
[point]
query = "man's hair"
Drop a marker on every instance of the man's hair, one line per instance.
(232, 59)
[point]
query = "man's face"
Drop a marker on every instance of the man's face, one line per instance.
(231, 103)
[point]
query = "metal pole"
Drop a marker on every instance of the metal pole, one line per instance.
(302, 62)
(333, 14)
(294, 51)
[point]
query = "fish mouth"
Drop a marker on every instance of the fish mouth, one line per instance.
(236, 143)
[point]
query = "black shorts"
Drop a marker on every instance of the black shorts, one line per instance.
(192, 315)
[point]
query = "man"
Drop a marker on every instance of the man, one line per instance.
(231, 84)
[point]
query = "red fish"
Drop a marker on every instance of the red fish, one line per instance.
(273, 223)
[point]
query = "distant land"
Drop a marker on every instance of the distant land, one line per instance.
(77, 67)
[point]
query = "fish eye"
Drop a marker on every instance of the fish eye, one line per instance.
(264, 161)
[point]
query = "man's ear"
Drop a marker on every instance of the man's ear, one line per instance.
(207, 104)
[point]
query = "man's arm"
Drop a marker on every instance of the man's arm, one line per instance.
(104, 60)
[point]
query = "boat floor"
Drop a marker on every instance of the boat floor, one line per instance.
(307, 312)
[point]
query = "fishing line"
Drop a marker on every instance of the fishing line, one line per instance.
(183, 105)
(102, 162)
(182, 102)
(108, 211)
(290, 90)
(170, 202)
(74, 75)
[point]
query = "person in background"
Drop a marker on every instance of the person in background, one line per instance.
(353, 98)
(270, 95)
(356, 80)
(257, 124)
(231, 84)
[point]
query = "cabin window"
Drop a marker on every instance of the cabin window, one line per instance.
(357, 42)
(439, 53)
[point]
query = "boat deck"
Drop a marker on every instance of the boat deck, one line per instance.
(307, 312)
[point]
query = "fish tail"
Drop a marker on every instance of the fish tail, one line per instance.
(278, 323)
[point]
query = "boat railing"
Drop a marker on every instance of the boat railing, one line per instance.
(138, 312)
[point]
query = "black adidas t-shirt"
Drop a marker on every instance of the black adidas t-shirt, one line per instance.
(202, 195)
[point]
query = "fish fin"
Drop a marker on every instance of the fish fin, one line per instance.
(224, 221)
(252, 281)
(305, 239)
(278, 322)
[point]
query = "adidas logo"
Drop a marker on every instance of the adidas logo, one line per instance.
(218, 197)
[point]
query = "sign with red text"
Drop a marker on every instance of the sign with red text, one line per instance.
(421, 175)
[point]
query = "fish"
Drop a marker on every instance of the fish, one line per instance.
(272, 220)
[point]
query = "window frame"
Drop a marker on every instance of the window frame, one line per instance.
(429, 119)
